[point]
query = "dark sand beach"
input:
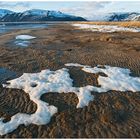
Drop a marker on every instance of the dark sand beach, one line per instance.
(112, 114)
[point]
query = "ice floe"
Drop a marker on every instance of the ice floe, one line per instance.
(59, 81)
(106, 28)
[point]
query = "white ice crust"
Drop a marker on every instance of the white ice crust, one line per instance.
(23, 40)
(25, 37)
(37, 84)
(106, 28)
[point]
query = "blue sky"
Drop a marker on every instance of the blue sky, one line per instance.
(86, 9)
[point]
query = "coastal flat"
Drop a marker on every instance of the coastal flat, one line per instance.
(113, 114)
(121, 24)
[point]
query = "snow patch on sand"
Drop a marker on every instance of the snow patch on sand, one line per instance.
(118, 79)
(106, 28)
(25, 37)
(46, 81)
(37, 84)
(76, 65)
(23, 40)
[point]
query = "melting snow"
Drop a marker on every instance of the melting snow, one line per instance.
(59, 81)
(37, 84)
(106, 28)
(118, 79)
(23, 40)
(25, 37)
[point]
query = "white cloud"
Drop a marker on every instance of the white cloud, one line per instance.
(15, 5)
(86, 9)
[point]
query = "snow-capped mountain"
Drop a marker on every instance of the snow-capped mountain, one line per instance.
(4, 12)
(136, 18)
(121, 16)
(39, 15)
(38, 12)
(50, 15)
(125, 17)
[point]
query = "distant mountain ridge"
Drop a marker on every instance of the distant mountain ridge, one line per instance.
(128, 16)
(50, 15)
(36, 15)
(116, 16)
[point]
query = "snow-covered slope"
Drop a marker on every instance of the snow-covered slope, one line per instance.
(38, 12)
(123, 17)
(35, 12)
(4, 12)
(136, 18)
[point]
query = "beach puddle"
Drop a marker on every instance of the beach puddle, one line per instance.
(4, 28)
(22, 43)
(6, 74)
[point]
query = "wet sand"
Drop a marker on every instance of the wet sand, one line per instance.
(111, 115)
